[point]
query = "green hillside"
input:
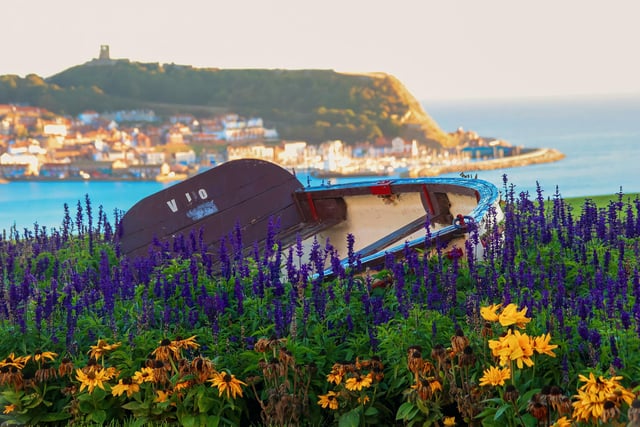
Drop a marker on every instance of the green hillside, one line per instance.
(311, 105)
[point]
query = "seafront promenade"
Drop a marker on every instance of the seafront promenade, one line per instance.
(531, 157)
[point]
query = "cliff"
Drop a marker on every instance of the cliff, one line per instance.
(310, 105)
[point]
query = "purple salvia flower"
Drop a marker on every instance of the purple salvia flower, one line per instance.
(79, 219)
(349, 322)
(39, 310)
(292, 272)
(596, 341)
(373, 340)
(238, 292)
(316, 259)
(66, 223)
(400, 291)
(87, 202)
(193, 270)
(225, 264)
(102, 219)
(278, 319)
(106, 284)
(583, 330)
(351, 256)
(51, 299)
(259, 284)
(616, 362)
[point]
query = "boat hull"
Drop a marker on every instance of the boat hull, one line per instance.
(252, 196)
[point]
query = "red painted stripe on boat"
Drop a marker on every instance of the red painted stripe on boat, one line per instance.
(312, 206)
(381, 188)
(429, 203)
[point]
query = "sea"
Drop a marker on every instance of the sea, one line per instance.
(599, 135)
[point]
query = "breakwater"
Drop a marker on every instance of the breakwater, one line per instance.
(527, 157)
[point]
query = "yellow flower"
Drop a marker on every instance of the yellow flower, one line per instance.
(600, 398)
(44, 356)
(126, 385)
(511, 316)
(358, 382)
(166, 350)
(187, 343)
(91, 380)
(449, 421)
(490, 313)
(513, 346)
(562, 422)
(183, 385)
(110, 373)
(13, 361)
(102, 348)
(495, 376)
(587, 407)
(363, 399)
(329, 400)
(161, 396)
(426, 387)
(541, 345)
(336, 374)
(602, 386)
(144, 375)
(9, 409)
(227, 384)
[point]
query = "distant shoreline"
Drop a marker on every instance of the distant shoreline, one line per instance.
(530, 157)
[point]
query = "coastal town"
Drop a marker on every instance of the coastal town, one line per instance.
(36, 144)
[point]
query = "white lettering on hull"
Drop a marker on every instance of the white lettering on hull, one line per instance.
(191, 197)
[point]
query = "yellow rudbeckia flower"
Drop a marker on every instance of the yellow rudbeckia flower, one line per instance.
(495, 376)
(511, 316)
(490, 314)
(227, 384)
(329, 400)
(359, 382)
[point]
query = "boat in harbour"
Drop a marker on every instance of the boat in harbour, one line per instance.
(384, 216)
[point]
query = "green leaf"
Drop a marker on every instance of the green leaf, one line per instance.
(189, 421)
(86, 406)
(99, 416)
(133, 406)
(209, 420)
(55, 416)
(406, 411)
(350, 419)
(205, 402)
(501, 411)
(371, 411)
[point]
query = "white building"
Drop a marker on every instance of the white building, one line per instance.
(293, 153)
(185, 157)
(22, 159)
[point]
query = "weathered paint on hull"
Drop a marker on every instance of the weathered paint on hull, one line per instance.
(249, 194)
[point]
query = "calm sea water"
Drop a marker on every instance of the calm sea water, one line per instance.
(599, 136)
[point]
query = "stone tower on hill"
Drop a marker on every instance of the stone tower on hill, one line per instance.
(104, 52)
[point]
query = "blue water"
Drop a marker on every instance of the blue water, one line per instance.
(599, 136)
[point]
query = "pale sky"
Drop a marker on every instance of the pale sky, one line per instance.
(447, 49)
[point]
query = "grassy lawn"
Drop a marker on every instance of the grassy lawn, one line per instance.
(601, 201)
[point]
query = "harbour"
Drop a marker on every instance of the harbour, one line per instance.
(600, 140)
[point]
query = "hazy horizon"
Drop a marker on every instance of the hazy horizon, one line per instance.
(438, 50)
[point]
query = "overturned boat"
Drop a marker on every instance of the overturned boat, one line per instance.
(384, 216)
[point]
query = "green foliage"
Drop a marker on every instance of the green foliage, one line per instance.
(311, 105)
